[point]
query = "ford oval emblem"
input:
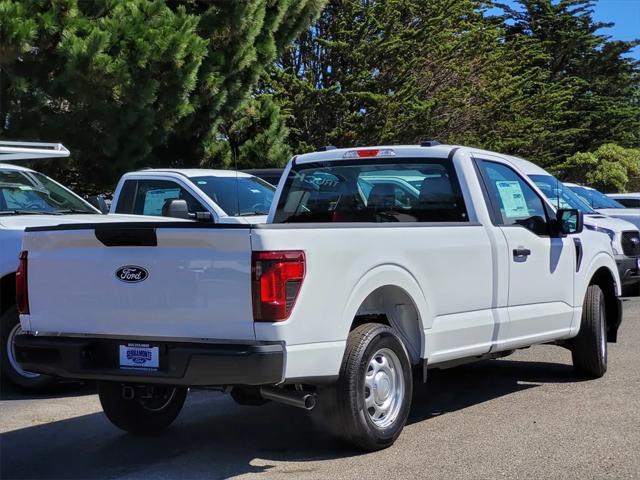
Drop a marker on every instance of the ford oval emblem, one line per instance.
(131, 274)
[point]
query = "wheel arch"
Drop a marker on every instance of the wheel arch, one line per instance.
(606, 280)
(389, 294)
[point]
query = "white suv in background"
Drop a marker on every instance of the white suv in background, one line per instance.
(605, 204)
(629, 200)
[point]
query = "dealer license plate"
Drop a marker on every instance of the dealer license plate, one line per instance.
(139, 355)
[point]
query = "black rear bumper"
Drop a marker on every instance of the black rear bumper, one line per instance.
(186, 364)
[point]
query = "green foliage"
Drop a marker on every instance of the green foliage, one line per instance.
(255, 137)
(537, 81)
(243, 38)
(130, 83)
(610, 168)
(604, 105)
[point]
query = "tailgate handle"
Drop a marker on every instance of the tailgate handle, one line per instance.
(127, 237)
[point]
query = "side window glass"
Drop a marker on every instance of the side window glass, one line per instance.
(516, 201)
(152, 195)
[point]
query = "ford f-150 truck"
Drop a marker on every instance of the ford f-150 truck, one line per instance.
(349, 287)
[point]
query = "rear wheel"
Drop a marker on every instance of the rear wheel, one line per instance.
(589, 348)
(11, 369)
(373, 393)
(142, 410)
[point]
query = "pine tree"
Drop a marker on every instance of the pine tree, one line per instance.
(131, 83)
(604, 83)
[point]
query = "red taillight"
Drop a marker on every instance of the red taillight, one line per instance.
(22, 292)
(276, 280)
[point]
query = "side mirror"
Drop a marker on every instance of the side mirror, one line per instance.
(98, 201)
(175, 209)
(569, 220)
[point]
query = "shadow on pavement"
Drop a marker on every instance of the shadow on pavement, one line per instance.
(9, 391)
(215, 438)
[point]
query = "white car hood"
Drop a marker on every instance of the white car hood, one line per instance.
(629, 214)
(20, 222)
(603, 221)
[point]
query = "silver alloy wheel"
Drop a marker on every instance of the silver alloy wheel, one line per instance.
(603, 335)
(11, 354)
(384, 388)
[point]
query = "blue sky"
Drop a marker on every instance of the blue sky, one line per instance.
(626, 16)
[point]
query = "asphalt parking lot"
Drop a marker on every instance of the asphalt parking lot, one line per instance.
(526, 416)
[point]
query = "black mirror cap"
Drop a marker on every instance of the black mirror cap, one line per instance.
(175, 209)
(99, 202)
(570, 221)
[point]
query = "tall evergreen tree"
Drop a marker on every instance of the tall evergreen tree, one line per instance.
(126, 83)
(604, 106)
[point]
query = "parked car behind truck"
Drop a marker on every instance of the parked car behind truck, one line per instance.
(332, 302)
(606, 205)
(219, 196)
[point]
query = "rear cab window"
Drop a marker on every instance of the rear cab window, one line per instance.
(375, 190)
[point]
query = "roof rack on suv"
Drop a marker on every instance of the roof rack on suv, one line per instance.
(326, 148)
(429, 143)
(10, 151)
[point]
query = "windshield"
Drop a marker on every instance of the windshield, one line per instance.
(560, 195)
(595, 198)
(238, 196)
(24, 192)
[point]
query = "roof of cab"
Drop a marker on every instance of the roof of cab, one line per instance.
(437, 151)
(525, 166)
(191, 172)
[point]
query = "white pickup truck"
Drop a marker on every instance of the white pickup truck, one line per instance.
(332, 302)
(219, 196)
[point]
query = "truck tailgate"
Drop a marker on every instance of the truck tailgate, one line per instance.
(177, 280)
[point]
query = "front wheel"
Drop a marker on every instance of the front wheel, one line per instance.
(142, 410)
(374, 389)
(589, 348)
(11, 368)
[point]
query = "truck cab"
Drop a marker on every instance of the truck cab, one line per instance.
(218, 196)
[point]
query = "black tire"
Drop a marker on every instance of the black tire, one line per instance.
(9, 326)
(589, 348)
(354, 420)
(140, 416)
